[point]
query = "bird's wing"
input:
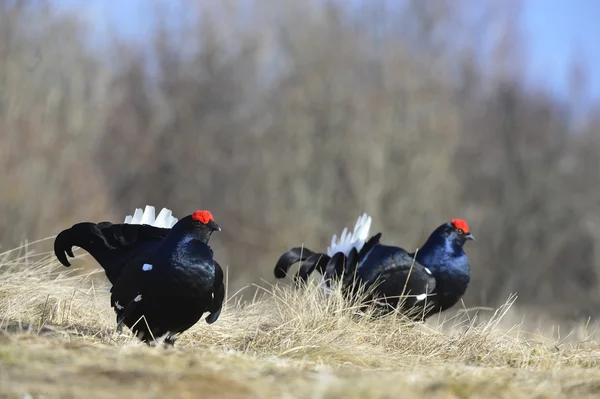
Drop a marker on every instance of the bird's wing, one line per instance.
(407, 285)
(218, 295)
(393, 272)
(413, 278)
(128, 291)
(112, 245)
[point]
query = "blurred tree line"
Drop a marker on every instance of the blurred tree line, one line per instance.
(288, 119)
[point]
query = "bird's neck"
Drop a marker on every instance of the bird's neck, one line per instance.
(187, 245)
(443, 256)
(449, 265)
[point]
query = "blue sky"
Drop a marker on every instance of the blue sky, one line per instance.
(555, 31)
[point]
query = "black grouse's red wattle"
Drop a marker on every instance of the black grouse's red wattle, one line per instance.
(162, 271)
(430, 280)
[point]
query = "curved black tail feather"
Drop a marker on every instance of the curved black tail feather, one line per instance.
(316, 261)
(330, 268)
(218, 295)
(289, 258)
(334, 268)
(85, 235)
(108, 243)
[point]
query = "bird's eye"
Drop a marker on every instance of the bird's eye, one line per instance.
(461, 232)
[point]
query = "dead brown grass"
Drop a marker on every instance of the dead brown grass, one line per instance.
(58, 340)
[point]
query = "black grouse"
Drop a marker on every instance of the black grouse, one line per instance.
(431, 280)
(162, 271)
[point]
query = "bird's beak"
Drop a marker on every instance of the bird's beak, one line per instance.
(469, 236)
(213, 226)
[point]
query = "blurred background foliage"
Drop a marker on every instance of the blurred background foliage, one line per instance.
(287, 119)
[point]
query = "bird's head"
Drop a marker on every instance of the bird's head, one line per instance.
(200, 223)
(457, 231)
(443, 250)
(204, 220)
(452, 234)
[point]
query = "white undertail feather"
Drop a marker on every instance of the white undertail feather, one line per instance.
(165, 218)
(421, 297)
(355, 240)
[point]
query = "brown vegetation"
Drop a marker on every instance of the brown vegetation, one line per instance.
(58, 339)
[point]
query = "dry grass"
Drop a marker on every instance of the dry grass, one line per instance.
(58, 340)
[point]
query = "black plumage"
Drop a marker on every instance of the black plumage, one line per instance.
(430, 280)
(163, 278)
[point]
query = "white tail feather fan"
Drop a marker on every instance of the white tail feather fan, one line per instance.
(355, 240)
(164, 220)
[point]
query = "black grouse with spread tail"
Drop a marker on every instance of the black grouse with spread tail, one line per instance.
(431, 280)
(162, 271)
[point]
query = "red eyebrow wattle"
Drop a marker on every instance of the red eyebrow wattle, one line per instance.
(202, 216)
(460, 224)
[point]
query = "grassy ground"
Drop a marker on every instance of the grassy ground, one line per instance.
(57, 339)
